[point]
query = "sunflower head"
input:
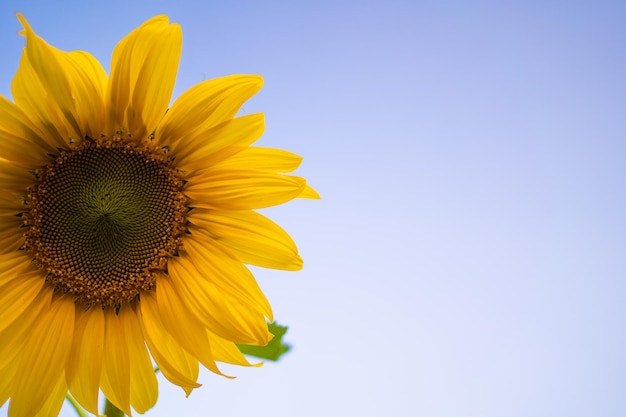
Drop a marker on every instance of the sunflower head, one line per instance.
(127, 222)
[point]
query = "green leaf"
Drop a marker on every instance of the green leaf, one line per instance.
(274, 349)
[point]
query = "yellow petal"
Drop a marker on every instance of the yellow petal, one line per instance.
(31, 147)
(87, 79)
(11, 204)
(94, 74)
(207, 147)
(54, 402)
(20, 151)
(17, 295)
(251, 237)
(222, 312)
(6, 382)
(16, 334)
(229, 274)
(14, 179)
(72, 87)
(32, 98)
(12, 224)
(190, 334)
(143, 382)
(206, 105)
(10, 239)
(155, 82)
(227, 352)
(262, 159)
(241, 189)
(310, 193)
(49, 68)
(20, 145)
(12, 264)
(43, 357)
(115, 380)
(61, 92)
(143, 72)
(177, 365)
(84, 366)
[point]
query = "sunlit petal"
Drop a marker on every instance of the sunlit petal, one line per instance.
(252, 237)
(84, 366)
(205, 106)
(143, 72)
(43, 358)
(115, 381)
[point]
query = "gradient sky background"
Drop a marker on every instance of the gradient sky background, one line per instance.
(468, 256)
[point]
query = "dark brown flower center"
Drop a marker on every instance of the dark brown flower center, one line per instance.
(104, 219)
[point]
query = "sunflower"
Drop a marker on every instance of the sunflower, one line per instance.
(126, 224)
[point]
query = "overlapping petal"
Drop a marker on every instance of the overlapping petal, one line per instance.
(23, 290)
(242, 189)
(8, 372)
(169, 306)
(143, 73)
(208, 147)
(220, 311)
(205, 106)
(251, 237)
(52, 406)
(15, 179)
(41, 88)
(63, 90)
(115, 380)
(22, 142)
(177, 365)
(143, 383)
(128, 377)
(87, 82)
(230, 275)
(43, 358)
(9, 240)
(84, 366)
(227, 352)
(15, 334)
(262, 159)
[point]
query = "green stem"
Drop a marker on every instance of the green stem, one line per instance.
(112, 411)
(79, 410)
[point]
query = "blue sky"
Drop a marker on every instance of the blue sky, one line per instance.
(467, 258)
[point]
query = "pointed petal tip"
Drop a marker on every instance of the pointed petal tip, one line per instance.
(310, 193)
(24, 23)
(189, 390)
(27, 28)
(22, 19)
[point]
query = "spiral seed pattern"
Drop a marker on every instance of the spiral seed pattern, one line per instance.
(104, 219)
